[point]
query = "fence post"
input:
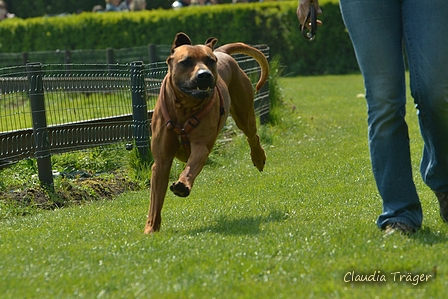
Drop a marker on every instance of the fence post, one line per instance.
(264, 117)
(37, 101)
(25, 57)
(152, 52)
(67, 60)
(139, 109)
(67, 57)
(110, 56)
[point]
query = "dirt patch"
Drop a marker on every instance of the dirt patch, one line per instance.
(70, 192)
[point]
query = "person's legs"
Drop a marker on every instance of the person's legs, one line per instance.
(425, 26)
(375, 28)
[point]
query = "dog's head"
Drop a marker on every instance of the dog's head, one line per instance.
(193, 69)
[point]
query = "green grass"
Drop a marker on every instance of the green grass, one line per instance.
(293, 231)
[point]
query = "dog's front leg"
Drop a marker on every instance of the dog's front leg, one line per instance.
(159, 183)
(195, 163)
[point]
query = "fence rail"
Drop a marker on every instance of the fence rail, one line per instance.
(48, 109)
(148, 54)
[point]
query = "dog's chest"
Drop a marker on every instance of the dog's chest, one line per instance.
(186, 108)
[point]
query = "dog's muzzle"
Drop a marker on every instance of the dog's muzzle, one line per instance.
(202, 86)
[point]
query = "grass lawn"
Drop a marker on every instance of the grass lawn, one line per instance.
(304, 228)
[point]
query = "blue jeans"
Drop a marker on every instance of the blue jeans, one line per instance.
(379, 29)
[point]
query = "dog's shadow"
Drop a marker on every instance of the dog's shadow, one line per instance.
(250, 225)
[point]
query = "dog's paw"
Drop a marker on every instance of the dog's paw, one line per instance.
(180, 189)
(260, 168)
(259, 159)
(152, 226)
(149, 230)
(257, 153)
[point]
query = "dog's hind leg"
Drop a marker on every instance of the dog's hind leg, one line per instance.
(257, 152)
(242, 111)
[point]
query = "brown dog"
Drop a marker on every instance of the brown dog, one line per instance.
(201, 88)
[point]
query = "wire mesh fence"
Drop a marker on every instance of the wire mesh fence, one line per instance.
(73, 93)
(53, 108)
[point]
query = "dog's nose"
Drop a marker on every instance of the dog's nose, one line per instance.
(204, 75)
(204, 79)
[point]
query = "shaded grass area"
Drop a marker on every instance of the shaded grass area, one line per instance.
(293, 231)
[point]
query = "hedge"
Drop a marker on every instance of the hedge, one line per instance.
(272, 23)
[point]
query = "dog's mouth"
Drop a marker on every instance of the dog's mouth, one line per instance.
(201, 86)
(199, 92)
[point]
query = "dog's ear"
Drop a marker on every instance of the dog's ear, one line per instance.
(211, 42)
(180, 39)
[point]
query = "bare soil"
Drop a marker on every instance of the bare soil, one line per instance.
(71, 192)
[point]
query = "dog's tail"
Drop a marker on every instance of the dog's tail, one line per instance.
(252, 52)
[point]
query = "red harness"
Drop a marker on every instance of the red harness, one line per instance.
(192, 122)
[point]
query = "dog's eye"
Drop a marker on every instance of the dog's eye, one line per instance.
(210, 61)
(187, 62)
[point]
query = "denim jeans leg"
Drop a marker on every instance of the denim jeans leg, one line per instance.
(375, 28)
(425, 36)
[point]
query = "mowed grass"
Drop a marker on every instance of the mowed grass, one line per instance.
(293, 231)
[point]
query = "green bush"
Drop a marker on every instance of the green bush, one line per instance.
(272, 23)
